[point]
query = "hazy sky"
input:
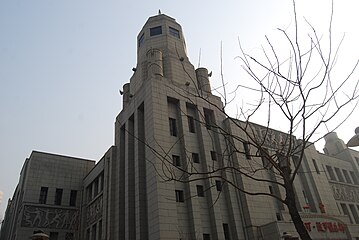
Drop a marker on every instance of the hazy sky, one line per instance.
(62, 63)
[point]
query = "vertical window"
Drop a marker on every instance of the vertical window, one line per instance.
(101, 181)
(173, 127)
(346, 175)
(355, 180)
(100, 229)
(54, 236)
(96, 187)
(247, 150)
(176, 160)
(93, 234)
(69, 236)
(89, 192)
(174, 32)
(191, 126)
(155, 31)
(346, 212)
(316, 166)
(339, 174)
(141, 39)
(73, 196)
(195, 157)
(219, 185)
(354, 213)
(206, 236)
(200, 191)
(331, 173)
(305, 197)
(213, 155)
(88, 234)
(226, 231)
(43, 195)
(179, 196)
(58, 196)
(208, 118)
(270, 189)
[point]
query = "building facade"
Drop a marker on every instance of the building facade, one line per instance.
(171, 172)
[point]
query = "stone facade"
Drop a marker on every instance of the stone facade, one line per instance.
(164, 176)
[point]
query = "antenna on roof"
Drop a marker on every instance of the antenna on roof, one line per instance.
(159, 12)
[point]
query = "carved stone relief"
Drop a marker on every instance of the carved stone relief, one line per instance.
(42, 217)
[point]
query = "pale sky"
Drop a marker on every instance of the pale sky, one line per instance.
(62, 63)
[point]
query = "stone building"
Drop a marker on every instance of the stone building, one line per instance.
(48, 197)
(164, 176)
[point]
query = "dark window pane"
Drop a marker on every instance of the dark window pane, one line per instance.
(73, 196)
(173, 127)
(213, 155)
(176, 160)
(226, 231)
(58, 196)
(195, 157)
(179, 196)
(43, 195)
(206, 236)
(69, 236)
(155, 31)
(141, 39)
(219, 185)
(246, 150)
(200, 191)
(191, 126)
(174, 32)
(316, 166)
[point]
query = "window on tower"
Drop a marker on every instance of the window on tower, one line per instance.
(141, 39)
(155, 31)
(174, 32)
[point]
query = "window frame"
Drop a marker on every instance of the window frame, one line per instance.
(174, 32)
(173, 126)
(176, 160)
(73, 198)
(179, 195)
(43, 195)
(200, 190)
(155, 31)
(191, 125)
(58, 196)
(195, 158)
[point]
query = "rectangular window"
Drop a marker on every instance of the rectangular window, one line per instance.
(346, 212)
(346, 175)
(54, 236)
(96, 187)
(89, 192)
(43, 195)
(179, 196)
(355, 180)
(200, 191)
(316, 166)
(88, 234)
(206, 236)
(69, 236)
(339, 174)
(331, 173)
(191, 126)
(100, 229)
(101, 181)
(354, 213)
(173, 127)
(155, 31)
(226, 231)
(195, 157)
(73, 196)
(141, 39)
(174, 32)
(213, 155)
(219, 185)
(58, 196)
(93, 230)
(208, 118)
(176, 160)
(247, 151)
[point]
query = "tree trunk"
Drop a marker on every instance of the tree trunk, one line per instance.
(293, 212)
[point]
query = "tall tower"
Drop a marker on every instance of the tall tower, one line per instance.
(165, 126)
